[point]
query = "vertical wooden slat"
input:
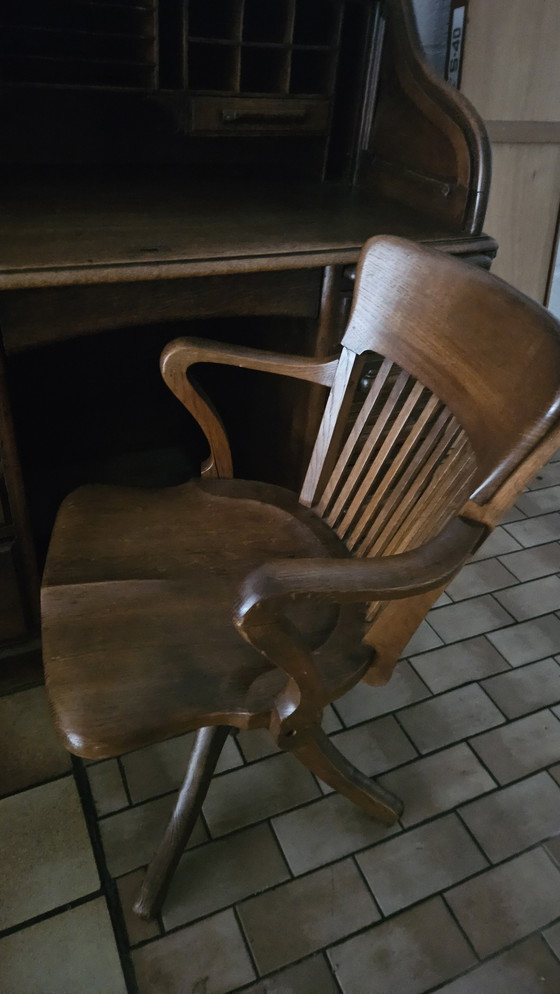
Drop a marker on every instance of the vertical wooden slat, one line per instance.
(409, 497)
(373, 393)
(422, 462)
(378, 463)
(398, 463)
(332, 426)
(434, 503)
(398, 472)
(369, 445)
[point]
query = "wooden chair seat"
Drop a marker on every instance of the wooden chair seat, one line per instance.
(137, 599)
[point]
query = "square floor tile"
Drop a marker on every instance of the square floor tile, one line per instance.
(472, 617)
(513, 514)
(424, 638)
(131, 837)
(256, 792)
(462, 662)
(525, 745)
(30, 749)
(437, 783)
(331, 722)
(312, 976)
(206, 958)
(526, 890)
(531, 599)
(409, 954)
(540, 501)
(449, 717)
(528, 968)
(548, 476)
(532, 563)
(553, 846)
(326, 830)
(529, 641)
(65, 954)
(480, 578)
(498, 543)
(418, 863)
(256, 743)
(552, 936)
(297, 918)
(107, 787)
(375, 746)
(516, 817)
(45, 852)
(522, 690)
(536, 531)
(220, 873)
(363, 702)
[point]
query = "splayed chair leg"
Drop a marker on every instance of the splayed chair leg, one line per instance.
(202, 763)
(325, 761)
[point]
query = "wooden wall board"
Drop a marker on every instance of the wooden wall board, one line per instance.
(511, 72)
(511, 69)
(522, 213)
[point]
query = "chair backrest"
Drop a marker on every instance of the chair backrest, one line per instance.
(448, 382)
(445, 400)
(471, 370)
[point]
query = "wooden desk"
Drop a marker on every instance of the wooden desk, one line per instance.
(104, 254)
(263, 172)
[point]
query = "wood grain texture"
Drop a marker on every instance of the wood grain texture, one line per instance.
(180, 355)
(473, 372)
(511, 69)
(522, 213)
(524, 132)
(42, 315)
(429, 146)
(76, 232)
(227, 602)
(120, 625)
(202, 763)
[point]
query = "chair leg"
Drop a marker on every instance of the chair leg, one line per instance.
(322, 758)
(202, 763)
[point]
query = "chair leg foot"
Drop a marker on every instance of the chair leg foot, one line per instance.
(324, 760)
(202, 763)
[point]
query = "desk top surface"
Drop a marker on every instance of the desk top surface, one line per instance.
(54, 232)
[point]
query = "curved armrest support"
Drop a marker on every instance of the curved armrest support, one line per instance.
(260, 619)
(182, 353)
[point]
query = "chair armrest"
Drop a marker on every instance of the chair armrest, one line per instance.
(353, 580)
(182, 353)
(261, 621)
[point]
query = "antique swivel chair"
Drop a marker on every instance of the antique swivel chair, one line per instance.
(224, 602)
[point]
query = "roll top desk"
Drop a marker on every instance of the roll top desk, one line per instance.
(166, 161)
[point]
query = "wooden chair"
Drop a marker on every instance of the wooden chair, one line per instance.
(224, 602)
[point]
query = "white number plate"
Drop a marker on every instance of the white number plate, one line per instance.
(456, 46)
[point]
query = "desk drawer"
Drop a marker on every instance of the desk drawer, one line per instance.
(12, 620)
(259, 115)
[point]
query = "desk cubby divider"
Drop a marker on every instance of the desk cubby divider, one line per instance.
(194, 71)
(286, 49)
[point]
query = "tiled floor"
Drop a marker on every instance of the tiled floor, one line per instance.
(286, 888)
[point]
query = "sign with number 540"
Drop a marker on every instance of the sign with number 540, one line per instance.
(455, 43)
